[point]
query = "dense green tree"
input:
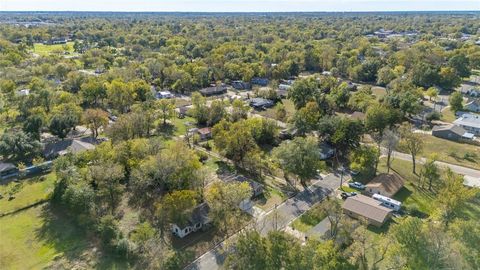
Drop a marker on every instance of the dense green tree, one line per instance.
(16, 145)
(299, 157)
(456, 100)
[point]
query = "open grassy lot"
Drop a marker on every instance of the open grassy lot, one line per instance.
(270, 112)
(33, 238)
(448, 115)
(462, 154)
(309, 219)
(26, 192)
(42, 49)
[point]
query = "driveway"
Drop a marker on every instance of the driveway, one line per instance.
(275, 219)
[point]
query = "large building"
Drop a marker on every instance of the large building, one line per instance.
(361, 206)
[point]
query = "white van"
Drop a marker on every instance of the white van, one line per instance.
(388, 202)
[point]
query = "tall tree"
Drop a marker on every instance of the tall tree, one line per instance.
(412, 142)
(299, 157)
(95, 119)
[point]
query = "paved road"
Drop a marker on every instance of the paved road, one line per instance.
(455, 168)
(278, 218)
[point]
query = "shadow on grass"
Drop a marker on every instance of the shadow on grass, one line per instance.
(167, 130)
(60, 232)
(383, 229)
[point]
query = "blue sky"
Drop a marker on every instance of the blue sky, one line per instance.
(237, 5)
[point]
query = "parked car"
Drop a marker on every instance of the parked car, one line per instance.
(356, 185)
(345, 195)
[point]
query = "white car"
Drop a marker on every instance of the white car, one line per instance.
(356, 185)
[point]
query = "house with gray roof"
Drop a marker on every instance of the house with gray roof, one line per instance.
(452, 132)
(373, 211)
(8, 170)
(470, 122)
(198, 220)
(473, 106)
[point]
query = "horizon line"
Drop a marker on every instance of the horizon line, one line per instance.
(293, 11)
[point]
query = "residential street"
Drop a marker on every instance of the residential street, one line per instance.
(275, 219)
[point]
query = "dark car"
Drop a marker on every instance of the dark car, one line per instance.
(345, 195)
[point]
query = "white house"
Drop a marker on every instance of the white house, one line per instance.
(164, 94)
(199, 220)
(470, 122)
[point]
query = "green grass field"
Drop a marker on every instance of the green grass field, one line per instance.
(309, 219)
(26, 192)
(270, 112)
(462, 154)
(42, 49)
(448, 115)
(33, 238)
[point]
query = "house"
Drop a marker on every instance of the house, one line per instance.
(164, 95)
(241, 85)
(199, 220)
(451, 132)
(7, 170)
(260, 81)
(205, 133)
(470, 122)
(54, 149)
(261, 103)
(214, 90)
(385, 184)
(361, 206)
(54, 41)
(473, 106)
(326, 151)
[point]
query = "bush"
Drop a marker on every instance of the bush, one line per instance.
(432, 116)
(202, 156)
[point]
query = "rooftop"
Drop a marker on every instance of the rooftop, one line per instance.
(471, 120)
(453, 128)
(6, 166)
(391, 183)
(367, 207)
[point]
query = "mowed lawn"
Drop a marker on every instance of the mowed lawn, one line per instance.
(271, 112)
(33, 238)
(26, 192)
(42, 49)
(462, 154)
(412, 195)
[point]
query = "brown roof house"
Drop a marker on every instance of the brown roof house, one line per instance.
(385, 184)
(361, 206)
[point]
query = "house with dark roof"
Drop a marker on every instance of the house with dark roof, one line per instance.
(260, 81)
(261, 103)
(361, 206)
(59, 148)
(214, 90)
(241, 85)
(451, 132)
(326, 151)
(385, 184)
(8, 170)
(198, 220)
